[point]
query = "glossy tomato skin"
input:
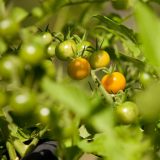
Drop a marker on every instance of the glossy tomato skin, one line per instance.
(42, 114)
(113, 82)
(83, 48)
(47, 38)
(99, 59)
(51, 50)
(66, 50)
(79, 68)
(32, 53)
(127, 112)
(11, 66)
(23, 102)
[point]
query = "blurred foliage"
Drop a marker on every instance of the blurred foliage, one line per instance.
(80, 115)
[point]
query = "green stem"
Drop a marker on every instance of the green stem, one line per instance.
(35, 141)
(106, 95)
(75, 132)
(11, 151)
(20, 147)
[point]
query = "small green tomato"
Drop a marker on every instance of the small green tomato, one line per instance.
(32, 53)
(66, 50)
(23, 102)
(127, 112)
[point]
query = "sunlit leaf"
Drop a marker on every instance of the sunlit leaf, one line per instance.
(118, 28)
(149, 28)
(71, 96)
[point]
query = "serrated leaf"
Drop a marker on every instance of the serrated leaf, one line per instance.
(69, 95)
(118, 28)
(149, 31)
(124, 143)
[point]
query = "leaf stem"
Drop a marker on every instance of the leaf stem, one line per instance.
(11, 151)
(106, 95)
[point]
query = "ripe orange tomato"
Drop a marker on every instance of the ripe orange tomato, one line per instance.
(99, 59)
(79, 68)
(114, 82)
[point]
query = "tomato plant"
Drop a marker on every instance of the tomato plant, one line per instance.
(78, 68)
(79, 79)
(114, 82)
(84, 48)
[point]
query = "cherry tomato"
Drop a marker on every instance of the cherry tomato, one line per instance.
(32, 53)
(99, 59)
(66, 49)
(23, 102)
(11, 66)
(83, 47)
(8, 27)
(127, 112)
(51, 50)
(79, 68)
(121, 4)
(43, 114)
(46, 38)
(114, 82)
(145, 78)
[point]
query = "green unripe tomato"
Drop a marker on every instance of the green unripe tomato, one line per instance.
(145, 79)
(11, 66)
(32, 53)
(3, 99)
(8, 27)
(42, 114)
(127, 112)
(121, 4)
(51, 49)
(66, 49)
(46, 38)
(83, 47)
(23, 102)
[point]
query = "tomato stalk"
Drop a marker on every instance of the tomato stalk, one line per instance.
(75, 135)
(97, 82)
(11, 151)
(35, 141)
(20, 147)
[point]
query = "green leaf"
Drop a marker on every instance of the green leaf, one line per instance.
(72, 97)
(149, 31)
(125, 142)
(118, 28)
(19, 14)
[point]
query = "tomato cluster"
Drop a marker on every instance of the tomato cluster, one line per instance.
(36, 58)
